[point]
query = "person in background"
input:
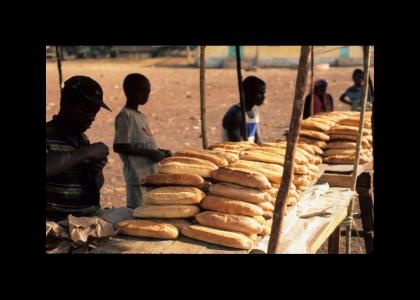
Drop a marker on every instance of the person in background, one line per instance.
(134, 140)
(322, 102)
(254, 92)
(353, 95)
(73, 165)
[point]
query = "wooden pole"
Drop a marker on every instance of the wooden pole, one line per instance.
(60, 74)
(203, 95)
(241, 93)
(312, 81)
(292, 138)
(366, 60)
(256, 56)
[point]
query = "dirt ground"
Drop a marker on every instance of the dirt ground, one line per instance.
(173, 108)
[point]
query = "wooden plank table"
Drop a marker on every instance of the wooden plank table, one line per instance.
(340, 175)
(300, 235)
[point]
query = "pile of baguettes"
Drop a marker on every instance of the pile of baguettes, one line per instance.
(335, 133)
(228, 191)
(175, 194)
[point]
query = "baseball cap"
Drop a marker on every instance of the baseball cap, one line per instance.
(86, 88)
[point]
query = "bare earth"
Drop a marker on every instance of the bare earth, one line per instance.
(174, 106)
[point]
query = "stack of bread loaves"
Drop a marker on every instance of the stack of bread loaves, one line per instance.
(341, 147)
(176, 195)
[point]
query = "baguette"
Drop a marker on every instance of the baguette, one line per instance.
(314, 125)
(261, 156)
(230, 222)
(218, 237)
(300, 158)
(230, 206)
(166, 211)
(307, 148)
(301, 181)
(323, 120)
(301, 169)
(349, 137)
(267, 214)
(240, 177)
(311, 141)
(345, 159)
(267, 206)
(230, 157)
(331, 152)
(237, 192)
(273, 177)
(260, 165)
(178, 223)
(146, 228)
(341, 145)
(260, 219)
(174, 179)
(355, 122)
(223, 150)
(314, 134)
(188, 160)
(181, 168)
(174, 195)
(345, 129)
(203, 154)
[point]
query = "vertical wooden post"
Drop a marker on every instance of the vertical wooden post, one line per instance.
(292, 138)
(241, 93)
(256, 56)
(203, 95)
(60, 74)
(312, 81)
(366, 60)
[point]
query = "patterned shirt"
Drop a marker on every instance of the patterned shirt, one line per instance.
(76, 190)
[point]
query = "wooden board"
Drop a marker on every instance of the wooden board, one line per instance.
(340, 175)
(305, 236)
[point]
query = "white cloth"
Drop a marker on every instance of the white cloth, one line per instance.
(131, 127)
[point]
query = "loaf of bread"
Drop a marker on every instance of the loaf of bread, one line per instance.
(147, 228)
(218, 237)
(300, 157)
(261, 156)
(307, 148)
(272, 176)
(181, 168)
(345, 159)
(260, 219)
(318, 160)
(267, 214)
(174, 179)
(355, 122)
(349, 137)
(314, 125)
(174, 195)
(301, 180)
(243, 145)
(230, 222)
(260, 165)
(311, 141)
(341, 145)
(301, 169)
(240, 177)
(253, 237)
(203, 154)
(223, 150)
(314, 134)
(230, 206)
(324, 120)
(237, 192)
(267, 227)
(331, 152)
(268, 206)
(178, 223)
(166, 211)
(230, 157)
(345, 129)
(189, 160)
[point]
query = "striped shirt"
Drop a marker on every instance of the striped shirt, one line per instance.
(76, 190)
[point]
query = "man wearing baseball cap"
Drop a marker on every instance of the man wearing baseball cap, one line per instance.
(73, 165)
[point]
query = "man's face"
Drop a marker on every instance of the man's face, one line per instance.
(258, 95)
(82, 115)
(358, 79)
(140, 94)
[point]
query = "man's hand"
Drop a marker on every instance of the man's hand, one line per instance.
(99, 165)
(97, 151)
(167, 153)
(156, 155)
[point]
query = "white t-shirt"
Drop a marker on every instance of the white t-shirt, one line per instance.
(131, 127)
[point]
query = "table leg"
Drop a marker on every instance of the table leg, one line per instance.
(334, 242)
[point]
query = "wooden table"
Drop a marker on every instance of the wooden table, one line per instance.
(340, 175)
(300, 235)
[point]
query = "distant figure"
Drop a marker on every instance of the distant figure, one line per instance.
(254, 90)
(353, 95)
(74, 166)
(134, 140)
(323, 102)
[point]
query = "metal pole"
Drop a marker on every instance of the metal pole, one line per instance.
(241, 93)
(366, 59)
(292, 139)
(203, 95)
